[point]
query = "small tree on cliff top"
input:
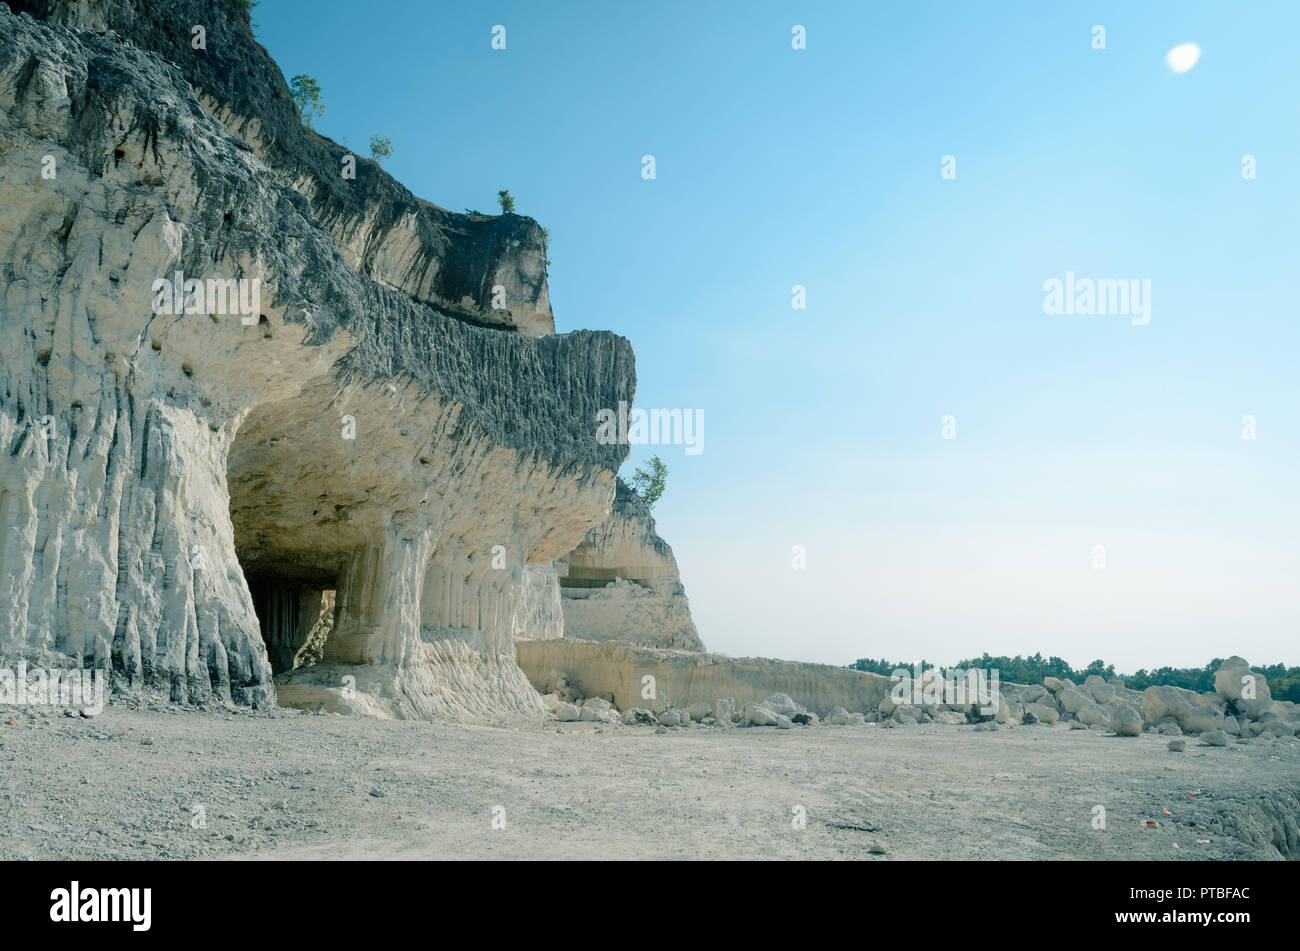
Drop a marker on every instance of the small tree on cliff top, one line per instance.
(650, 485)
(381, 146)
(305, 92)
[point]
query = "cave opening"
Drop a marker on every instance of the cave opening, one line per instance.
(295, 616)
(290, 503)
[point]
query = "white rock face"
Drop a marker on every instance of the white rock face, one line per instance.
(839, 717)
(348, 442)
(568, 712)
(1125, 721)
(616, 669)
(1092, 715)
(621, 583)
(1072, 701)
(1194, 712)
(1044, 712)
(1247, 689)
(490, 269)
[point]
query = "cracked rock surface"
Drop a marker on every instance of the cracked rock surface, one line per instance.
(385, 233)
(349, 439)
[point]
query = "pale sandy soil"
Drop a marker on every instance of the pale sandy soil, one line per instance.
(294, 785)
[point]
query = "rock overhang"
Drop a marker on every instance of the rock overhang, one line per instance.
(476, 435)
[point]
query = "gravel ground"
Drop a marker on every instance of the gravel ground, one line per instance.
(288, 784)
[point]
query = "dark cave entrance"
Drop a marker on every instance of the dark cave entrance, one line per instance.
(295, 617)
(290, 509)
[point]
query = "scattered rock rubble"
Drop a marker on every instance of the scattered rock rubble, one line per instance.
(1239, 710)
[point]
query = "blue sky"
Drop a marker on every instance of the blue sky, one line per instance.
(821, 167)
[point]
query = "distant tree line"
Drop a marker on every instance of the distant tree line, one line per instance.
(1283, 681)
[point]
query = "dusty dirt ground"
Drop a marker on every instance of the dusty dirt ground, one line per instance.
(288, 784)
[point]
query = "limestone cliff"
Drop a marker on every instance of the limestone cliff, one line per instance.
(352, 435)
(617, 671)
(451, 261)
(622, 582)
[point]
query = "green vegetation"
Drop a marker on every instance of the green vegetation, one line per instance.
(1283, 681)
(1017, 670)
(507, 203)
(305, 92)
(381, 146)
(649, 485)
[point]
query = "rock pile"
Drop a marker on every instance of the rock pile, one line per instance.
(777, 710)
(1233, 712)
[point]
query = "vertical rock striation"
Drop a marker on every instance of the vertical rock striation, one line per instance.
(345, 441)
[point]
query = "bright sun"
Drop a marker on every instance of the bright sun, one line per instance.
(1183, 57)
